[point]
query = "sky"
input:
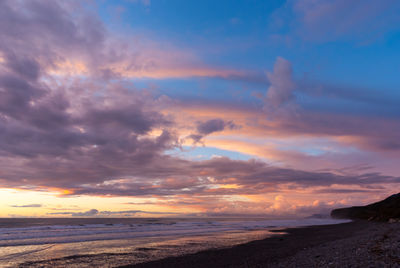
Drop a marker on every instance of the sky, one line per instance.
(156, 108)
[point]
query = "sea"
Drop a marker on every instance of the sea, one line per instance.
(110, 242)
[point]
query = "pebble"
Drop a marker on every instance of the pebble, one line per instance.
(374, 247)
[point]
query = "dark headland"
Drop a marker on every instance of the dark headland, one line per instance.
(385, 210)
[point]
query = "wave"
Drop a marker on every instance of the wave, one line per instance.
(51, 234)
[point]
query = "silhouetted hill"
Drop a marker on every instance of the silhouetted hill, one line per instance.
(379, 211)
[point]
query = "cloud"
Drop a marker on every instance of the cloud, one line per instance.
(128, 212)
(27, 206)
(95, 212)
(63, 39)
(329, 20)
(210, 126)
(345, 191)
(92, 212)
(49, 32)
(209, 177)
(143, 2)
(280, 95)
(287, 114)
(41, 115)
(213, 125)
(82, 124)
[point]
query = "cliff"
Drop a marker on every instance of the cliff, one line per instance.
(380, 211)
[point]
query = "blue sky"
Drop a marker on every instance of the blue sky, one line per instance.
(239, 106)
(251, 34)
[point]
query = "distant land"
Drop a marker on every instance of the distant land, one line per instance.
(385, 210)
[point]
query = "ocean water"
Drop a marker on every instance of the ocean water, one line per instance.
(106, 242)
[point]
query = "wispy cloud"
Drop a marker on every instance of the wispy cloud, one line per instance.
(27, 206)
(322, 21)
(96, 213)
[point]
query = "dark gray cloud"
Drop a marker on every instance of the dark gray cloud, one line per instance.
(128, 212)
(80, 131)
(210, 126)
(50, 32)
(169, 176)
(95, 212)
(89, 213)
(27, 206)
(346, 191)
(213, 125)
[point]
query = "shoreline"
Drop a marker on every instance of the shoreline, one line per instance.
(334, 245)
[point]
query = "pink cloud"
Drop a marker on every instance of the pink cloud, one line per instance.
(280, 95)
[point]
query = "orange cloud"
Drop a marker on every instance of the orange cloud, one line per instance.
(144, 59)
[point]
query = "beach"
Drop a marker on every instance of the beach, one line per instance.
(112, 242)
(355, 244)
(352, 244)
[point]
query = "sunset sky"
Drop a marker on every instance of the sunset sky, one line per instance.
(152, 108)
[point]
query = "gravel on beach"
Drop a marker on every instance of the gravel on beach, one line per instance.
(377, 246)
(355, 244)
